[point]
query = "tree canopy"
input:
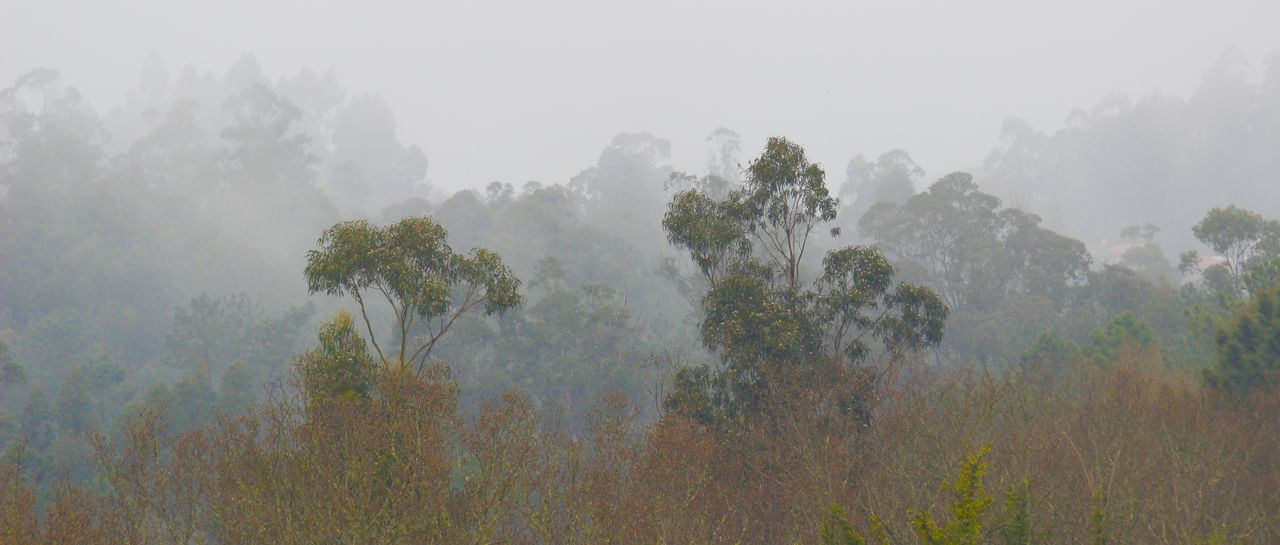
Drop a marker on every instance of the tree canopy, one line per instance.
(777, 334)
(411, 267)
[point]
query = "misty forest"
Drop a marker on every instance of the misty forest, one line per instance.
(234, 308)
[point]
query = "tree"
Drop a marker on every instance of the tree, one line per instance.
(976, 254)
(264, 147)
(102, 373)
(1144, 255)
(410, 266)
(71, 411)
(1249, 347)
(341, 366)
(11, 373)
(624, 188)
(370, 167)
(34, 422)
(891, 178)
(235, 389)
(1262, 275)
(220, 330)
(1051, 352)
(194, 399)
(951, 229)
(708, 229)
(785, 198)
(562, 349)
(775, 336)
(1123, 335)
(1240, 236)
(724, 147)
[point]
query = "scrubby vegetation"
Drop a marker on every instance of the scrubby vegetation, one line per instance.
(637, 356)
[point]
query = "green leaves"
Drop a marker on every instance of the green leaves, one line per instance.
(1235, 229)
(1125, 332)
(784, 199)
(412, 266)
(1241, 236)
(776, 337)
(837, 531)
(976, 253)
(708, 229)
(967, 510)
(1249, 347)
(341, 366)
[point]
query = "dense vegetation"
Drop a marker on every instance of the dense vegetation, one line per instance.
(636, 356)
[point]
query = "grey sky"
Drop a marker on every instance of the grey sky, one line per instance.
(534, 90)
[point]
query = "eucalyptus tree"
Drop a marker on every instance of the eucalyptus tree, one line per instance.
(1242, 237)
(777, 334)
(890, 178)
(411, 267)
(977, 254)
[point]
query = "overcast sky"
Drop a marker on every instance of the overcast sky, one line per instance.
(534, 90)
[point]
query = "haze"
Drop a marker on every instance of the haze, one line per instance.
(701, 272)
(519, 91)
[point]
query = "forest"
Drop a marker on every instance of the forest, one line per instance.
(234, 309)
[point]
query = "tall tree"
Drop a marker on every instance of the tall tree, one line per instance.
(891, 178)
(409, 265)
(784, 199)
(1240, 236)
(975, 253)
(724, 148)
(776, 336)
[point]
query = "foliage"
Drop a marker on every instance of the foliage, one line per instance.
(1249, 347)
(1144, 255)
(236, 389)
(784, 199)
(411, 266)
(776, 337)
(1103, 448)
(11, 373)
(71, 410)
(837, 531)
(194, 399)
(977, 255)
(36, 419)
(970, 503)
(563, 350)
(341, 365)
(1262, 275)
(1050, 352)
(1125, 332)
(1242, 237)
(891, 178)
(213, 185)
(968, 523)
(217, 331)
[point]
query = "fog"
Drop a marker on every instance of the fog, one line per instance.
(517, 91)
(658, 272)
